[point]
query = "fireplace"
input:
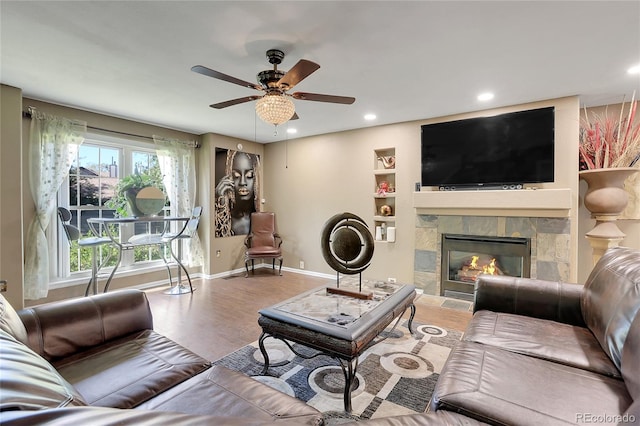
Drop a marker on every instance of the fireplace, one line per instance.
(464, 257)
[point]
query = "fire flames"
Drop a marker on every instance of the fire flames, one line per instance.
(474, 267)
(486, 269)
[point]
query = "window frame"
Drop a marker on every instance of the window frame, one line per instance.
(60, 272)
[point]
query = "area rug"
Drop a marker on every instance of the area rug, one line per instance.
(396, 376)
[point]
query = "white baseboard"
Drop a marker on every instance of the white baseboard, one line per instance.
(241, 271)
(310, 273)
(128, 272)
(227, 274)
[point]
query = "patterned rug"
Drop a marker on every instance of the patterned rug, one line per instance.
(396, 376)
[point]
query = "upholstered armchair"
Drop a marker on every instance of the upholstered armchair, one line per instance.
(263, 241)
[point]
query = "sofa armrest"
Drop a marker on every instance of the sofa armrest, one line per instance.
(550, 300)
(59, 329)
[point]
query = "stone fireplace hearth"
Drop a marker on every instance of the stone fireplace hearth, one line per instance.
(549, 243)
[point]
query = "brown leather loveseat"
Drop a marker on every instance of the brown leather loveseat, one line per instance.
(542, 353)
(97, 360)
(545, 353)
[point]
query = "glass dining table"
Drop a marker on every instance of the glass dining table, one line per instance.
(169, 229)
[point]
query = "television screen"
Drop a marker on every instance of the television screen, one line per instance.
(507, 149)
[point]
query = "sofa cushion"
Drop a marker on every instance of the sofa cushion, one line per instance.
(128, 371)
(60, 329)
(220, 391)
(557, 342)
(29, 382)
(611, 299)
(501, 387)
(631, 360)
(10, 321)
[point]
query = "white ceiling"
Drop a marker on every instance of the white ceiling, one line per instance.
(400, 60)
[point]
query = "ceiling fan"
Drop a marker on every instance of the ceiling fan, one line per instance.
(275, 106)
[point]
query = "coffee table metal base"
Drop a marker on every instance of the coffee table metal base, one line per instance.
(349, 364)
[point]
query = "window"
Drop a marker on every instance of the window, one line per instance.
(101, 162)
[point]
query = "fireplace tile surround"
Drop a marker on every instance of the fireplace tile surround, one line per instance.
(550, 243)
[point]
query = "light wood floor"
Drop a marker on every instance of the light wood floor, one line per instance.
(222, 314)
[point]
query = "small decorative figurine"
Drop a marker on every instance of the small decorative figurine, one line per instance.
(389, 162)
(383, 188)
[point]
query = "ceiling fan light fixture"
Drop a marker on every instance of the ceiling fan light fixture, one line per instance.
(275, 108)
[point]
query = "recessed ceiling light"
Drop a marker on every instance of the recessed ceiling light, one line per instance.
(292, 131)
(487, 96)
(370, 117)
(634, 69)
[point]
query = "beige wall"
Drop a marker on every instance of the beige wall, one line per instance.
(11, 250)
(309, 180)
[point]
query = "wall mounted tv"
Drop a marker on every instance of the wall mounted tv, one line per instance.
(505, 150)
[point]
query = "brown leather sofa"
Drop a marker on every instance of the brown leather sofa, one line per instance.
(97, 360)
(545, 353)
(540, 352)
(535, 353)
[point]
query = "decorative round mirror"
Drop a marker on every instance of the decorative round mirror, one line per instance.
(150, 200)
(347, 244)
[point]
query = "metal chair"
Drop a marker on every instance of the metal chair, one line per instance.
(189, 231)
(74, 234)
(263, 241)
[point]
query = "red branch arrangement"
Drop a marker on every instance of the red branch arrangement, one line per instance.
(607, 142)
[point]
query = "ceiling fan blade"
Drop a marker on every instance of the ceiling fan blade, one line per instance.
(303, 96)
(233, 102)
(224, 77)
(299, 72)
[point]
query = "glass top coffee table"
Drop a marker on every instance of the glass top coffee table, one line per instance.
(336, 325)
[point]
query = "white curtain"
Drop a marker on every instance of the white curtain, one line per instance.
(178, 166)
(53, 145)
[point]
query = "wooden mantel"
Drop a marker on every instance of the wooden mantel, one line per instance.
(523, 202)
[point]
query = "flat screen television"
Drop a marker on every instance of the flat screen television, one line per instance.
(505, 150)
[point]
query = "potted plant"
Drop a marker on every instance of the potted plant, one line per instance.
(609, 154)
(608, 141)
(128, 187)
